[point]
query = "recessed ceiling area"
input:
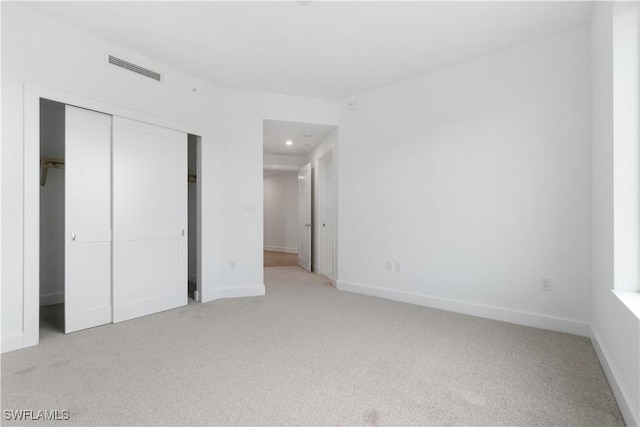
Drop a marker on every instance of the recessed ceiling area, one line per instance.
(304, 137)
(320, 49)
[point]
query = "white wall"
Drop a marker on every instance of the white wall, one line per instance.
(476, 179)
(52, 201)
(616, 330)
(43, 52)
(281, 212)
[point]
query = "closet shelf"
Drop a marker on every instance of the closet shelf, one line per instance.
(47, 163)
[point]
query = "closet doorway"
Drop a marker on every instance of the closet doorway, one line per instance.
(52, 216)
(194, 194)
(111, 246)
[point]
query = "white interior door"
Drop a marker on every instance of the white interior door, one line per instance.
(304, 217)
(87, 282)
(327, 230)
(149, 219)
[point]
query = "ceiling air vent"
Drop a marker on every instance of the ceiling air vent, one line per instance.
(133, 67)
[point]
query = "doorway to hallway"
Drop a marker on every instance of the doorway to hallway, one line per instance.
(299, 209)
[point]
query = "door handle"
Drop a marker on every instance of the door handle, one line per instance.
(73, 236)
(308, 225)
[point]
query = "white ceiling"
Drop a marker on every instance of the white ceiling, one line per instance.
(319, 49)
(276, 133)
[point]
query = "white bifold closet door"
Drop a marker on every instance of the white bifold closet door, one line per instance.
(87, 280)
(149, 219)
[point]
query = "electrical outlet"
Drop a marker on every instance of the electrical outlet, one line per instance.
(545, 284)
(389, 266)
(396, 267)
(232, 264)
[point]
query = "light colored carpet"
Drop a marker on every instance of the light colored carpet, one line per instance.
(280, 259)
(306, 354)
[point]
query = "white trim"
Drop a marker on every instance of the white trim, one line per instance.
(281, 249)
(50, 299)
(245, 291)
(518, 317)
(31, 187)
(31, 218)
(630, 415)
(631, 300)
(12, 342)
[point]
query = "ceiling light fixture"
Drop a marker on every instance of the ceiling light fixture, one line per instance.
(289, 143)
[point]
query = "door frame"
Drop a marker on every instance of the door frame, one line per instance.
(31, 201)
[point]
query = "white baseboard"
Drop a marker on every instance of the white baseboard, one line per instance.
(245, 291)
(480, 310)
(12, 342)
(630, 415)
(281, 249)
(57, 298)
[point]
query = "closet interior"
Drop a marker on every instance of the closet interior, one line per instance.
(52, 214)
(192, 167)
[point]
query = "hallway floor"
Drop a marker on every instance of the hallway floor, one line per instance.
(280, 259)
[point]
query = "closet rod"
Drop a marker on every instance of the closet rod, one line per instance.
(47, 162)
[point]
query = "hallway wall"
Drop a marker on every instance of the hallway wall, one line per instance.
(281, 212)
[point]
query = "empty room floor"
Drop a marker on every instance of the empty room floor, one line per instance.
(307, 354)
